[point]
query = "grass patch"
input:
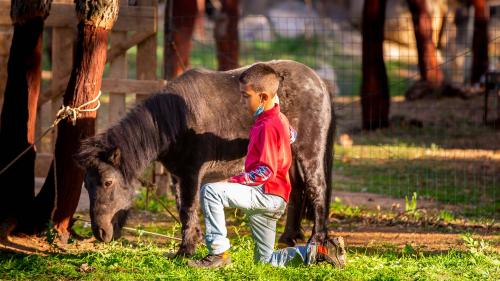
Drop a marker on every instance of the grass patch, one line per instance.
(401, 170)
(123, 260)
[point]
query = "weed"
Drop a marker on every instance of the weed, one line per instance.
(411, 206)
(446, 216)
(342, 209)
(50, 233)
(475, 246)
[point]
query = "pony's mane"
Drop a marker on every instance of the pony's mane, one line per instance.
(140, 136)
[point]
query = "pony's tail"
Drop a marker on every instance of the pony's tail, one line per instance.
(329, 158)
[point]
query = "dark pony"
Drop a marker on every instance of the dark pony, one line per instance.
(198, 129)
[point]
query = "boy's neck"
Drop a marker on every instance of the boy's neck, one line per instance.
(266, 112)
(269, 105)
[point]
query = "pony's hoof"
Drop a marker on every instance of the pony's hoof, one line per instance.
(290, 240)
(185, 252)
(170, 255)
(318, 238)
(284, 242)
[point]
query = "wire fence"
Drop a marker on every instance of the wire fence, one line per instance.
(438, 148)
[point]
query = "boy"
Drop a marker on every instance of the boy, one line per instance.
(262, 191)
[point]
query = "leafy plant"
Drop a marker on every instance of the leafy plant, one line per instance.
(342, 209)
(411, 206)
(50, 233)
(446, 216)
(408, 250)
(475, 246)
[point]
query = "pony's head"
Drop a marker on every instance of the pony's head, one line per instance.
(114, 159)
(110, 192)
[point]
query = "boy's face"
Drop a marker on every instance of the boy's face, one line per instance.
(251, 98)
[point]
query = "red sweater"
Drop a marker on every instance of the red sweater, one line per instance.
(269, 154)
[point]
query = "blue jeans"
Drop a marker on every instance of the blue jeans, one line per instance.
(263, 211)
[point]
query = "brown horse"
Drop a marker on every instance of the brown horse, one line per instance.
(198, 129)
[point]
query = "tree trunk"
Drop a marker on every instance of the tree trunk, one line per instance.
(179, 27)
(480, 40)
(374, 87)
(226, 35)
(58, 203)
(430, 71)
(18, 119)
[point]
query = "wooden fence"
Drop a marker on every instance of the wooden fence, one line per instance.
(136, 26)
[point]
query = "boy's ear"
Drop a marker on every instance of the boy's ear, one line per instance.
(264, 96)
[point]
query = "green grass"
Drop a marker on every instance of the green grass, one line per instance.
(123, 260)
(400, 170)
(142, 258)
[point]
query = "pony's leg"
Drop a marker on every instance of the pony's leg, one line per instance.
(188, 212)
(316, 192)
(293, 232)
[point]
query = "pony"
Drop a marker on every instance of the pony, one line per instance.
(197, 127)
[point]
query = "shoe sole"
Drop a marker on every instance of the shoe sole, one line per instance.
(338, 245)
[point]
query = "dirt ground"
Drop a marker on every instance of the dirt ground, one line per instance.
(375, 201)
(371, 239)
(380, 239)
(360, 234)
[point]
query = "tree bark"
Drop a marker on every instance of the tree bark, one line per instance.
(226, 35)
(480, 40)
(58, 203)
(17, 125)
(430, 71)
(179, 30)
(375, 100)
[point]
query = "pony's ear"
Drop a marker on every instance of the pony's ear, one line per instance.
(88, 153)
(114, 156)
(281, 76)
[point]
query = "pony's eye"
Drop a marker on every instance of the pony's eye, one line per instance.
(108, 183)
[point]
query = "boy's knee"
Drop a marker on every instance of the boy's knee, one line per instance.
(206, 190)
(203, 189)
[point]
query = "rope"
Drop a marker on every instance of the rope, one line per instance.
(73, 113)
(63, 113)
(54, 207)
(140, 231)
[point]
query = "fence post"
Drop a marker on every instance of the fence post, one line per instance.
(146, 54)
(5, 39)
(63, 40)
(117, 69)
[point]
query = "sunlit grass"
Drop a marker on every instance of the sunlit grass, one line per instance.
(452, 177)
(144, 260)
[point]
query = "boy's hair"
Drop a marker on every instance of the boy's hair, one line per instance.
(262, 77)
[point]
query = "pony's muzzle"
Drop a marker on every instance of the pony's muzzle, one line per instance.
(103, 235)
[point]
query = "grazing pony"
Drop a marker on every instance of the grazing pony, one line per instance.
(198, 129)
